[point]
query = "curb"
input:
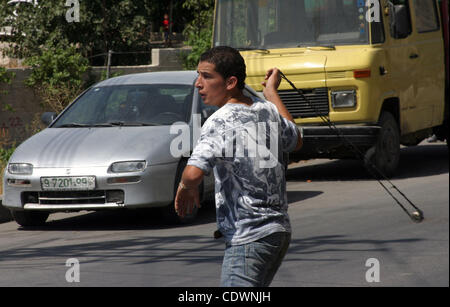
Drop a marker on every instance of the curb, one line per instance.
(5, 215)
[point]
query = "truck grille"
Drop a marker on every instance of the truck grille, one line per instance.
(299, 107)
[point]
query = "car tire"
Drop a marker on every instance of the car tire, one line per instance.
(385, 155)
(30, 218)
(169, 213)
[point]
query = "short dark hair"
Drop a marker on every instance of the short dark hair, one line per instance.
(228, 61)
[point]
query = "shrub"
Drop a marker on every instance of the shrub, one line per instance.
(57, 76)
(198, 33)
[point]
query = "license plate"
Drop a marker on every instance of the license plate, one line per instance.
(68, 183)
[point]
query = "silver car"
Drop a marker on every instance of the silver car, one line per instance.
(116, 146)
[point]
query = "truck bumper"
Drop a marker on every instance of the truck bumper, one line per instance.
(324, 142)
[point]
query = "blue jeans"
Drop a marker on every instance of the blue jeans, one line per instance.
(254, 264)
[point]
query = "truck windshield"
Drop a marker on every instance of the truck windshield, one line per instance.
(265, 24)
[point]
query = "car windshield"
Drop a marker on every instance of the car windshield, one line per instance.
(265, 24)
(129, 105)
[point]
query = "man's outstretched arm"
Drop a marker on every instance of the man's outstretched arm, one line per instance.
(271, 84)
(187, 194)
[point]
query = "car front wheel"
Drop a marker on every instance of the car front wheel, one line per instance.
(30, 218)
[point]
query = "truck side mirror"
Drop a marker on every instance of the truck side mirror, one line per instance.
(400, 21)
(48, 117)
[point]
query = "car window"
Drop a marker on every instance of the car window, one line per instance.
(84, 112)
(129, 105)
(206, 110)
(116, 98)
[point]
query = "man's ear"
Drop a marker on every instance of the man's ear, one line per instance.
(231, 82)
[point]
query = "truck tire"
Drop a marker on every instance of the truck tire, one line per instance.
(383, 158)
(30, 218)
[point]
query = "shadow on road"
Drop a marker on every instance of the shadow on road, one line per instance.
(119, 220)
(194, 249)
(297, 196)
(307, 249)
(144, 219)
(420, 161)
(190, 249)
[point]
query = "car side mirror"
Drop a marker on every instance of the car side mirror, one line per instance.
(48, 117)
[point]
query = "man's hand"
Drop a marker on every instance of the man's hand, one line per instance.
(187, 194)
(186, 200)
(271, 83)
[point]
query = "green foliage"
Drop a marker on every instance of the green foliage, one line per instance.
(5, 154)
(5, 78)
(118, 25)
(57, 66)
(199, 43)
(6, 150)
(57, 75)
(198, 33)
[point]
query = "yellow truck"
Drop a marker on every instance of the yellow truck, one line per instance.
(377, 69)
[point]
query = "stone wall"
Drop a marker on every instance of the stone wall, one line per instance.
(8, 62)
(18, 107)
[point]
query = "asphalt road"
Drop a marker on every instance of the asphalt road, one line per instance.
(346, 232)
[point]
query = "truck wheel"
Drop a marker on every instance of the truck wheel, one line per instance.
(30, 218)
(385, 155)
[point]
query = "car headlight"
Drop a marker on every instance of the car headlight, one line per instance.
(128, 166)
(343, 99)
(20, 168)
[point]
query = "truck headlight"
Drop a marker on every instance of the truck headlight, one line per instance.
(20, 168)
(343, 99)
(128, 166)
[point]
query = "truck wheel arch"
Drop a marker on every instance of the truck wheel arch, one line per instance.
(391, 105)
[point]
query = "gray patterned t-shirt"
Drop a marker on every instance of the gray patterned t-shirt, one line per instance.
(244, 145)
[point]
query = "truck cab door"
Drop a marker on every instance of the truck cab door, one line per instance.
(428, 58)
(402, 64)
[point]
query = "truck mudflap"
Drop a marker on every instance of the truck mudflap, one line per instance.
(325, 142)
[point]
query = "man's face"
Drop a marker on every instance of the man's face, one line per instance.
(211, 85)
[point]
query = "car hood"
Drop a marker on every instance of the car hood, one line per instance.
(88, 147)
